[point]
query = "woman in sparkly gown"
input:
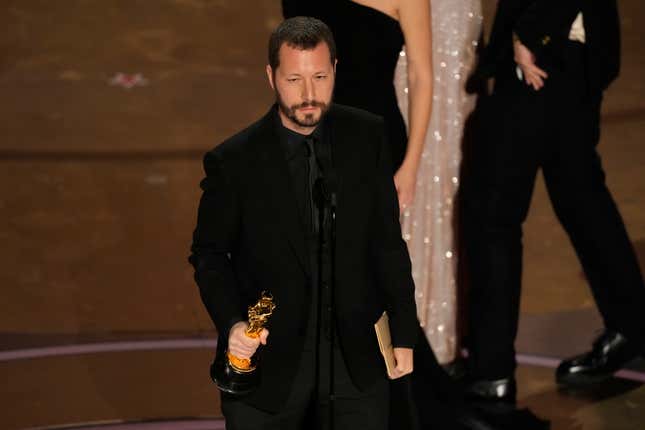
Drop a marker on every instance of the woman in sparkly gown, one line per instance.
(427, 225)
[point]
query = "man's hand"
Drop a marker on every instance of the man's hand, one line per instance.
(533, 75)
(241, 345)
(404, 362)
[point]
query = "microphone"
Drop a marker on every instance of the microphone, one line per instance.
(326, 186)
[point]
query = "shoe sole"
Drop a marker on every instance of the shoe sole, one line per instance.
(578, 381)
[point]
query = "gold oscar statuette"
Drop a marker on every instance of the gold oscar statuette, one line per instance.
(236, 375)
(259, 315)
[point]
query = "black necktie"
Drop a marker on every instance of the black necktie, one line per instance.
(312, 173)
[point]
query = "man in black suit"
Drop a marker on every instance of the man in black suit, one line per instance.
(551, 61)
(257, 230)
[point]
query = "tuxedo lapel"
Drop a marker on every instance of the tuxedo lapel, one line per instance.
(276, 187)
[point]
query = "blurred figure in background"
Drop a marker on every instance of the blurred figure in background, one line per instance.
(551, 62)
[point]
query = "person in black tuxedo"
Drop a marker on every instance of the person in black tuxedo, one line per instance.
(257, 230)
(551, 62)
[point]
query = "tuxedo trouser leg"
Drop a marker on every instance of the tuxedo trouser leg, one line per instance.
(505, 167)
(576, 184)
(403, 407)
(428, 398)
(353, 409)
(241, 416)
(437, 398)
(368, 410)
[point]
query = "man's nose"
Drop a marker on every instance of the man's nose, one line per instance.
(309, 92)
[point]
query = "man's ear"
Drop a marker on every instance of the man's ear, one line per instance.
(270, 76)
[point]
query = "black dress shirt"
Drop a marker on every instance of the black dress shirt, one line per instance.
(300, 153)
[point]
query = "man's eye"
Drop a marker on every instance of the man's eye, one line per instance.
(292, 80)
(321, 77)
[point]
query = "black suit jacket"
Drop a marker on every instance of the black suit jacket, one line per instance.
(544, 25)
(250, 238)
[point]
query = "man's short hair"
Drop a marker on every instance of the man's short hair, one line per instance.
(301, 32)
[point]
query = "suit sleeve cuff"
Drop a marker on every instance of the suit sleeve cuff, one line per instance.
(404, 333)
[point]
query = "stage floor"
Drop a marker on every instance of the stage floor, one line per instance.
(108, 107)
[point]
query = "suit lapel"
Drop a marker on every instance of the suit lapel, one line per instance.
(277, 186)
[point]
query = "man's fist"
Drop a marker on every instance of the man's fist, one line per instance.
(241, 345)
(404, 362)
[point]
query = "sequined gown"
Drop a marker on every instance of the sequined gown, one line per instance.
(428, 225)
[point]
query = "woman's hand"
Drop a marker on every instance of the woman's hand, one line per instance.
(405, 181)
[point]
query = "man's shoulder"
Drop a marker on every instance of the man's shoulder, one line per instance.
(240, 143)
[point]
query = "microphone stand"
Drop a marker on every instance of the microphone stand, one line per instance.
(332, 306)
(327, 200)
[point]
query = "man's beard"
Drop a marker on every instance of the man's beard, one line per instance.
(309, 120)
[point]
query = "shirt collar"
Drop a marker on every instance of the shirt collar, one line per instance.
(291, 140)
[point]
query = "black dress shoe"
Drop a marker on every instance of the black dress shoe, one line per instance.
(499, 392)
(610, 352)
(491, 406)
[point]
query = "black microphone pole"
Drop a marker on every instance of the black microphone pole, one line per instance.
(325, 192)
(332, 304)
(319, 199)
(326, 189)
